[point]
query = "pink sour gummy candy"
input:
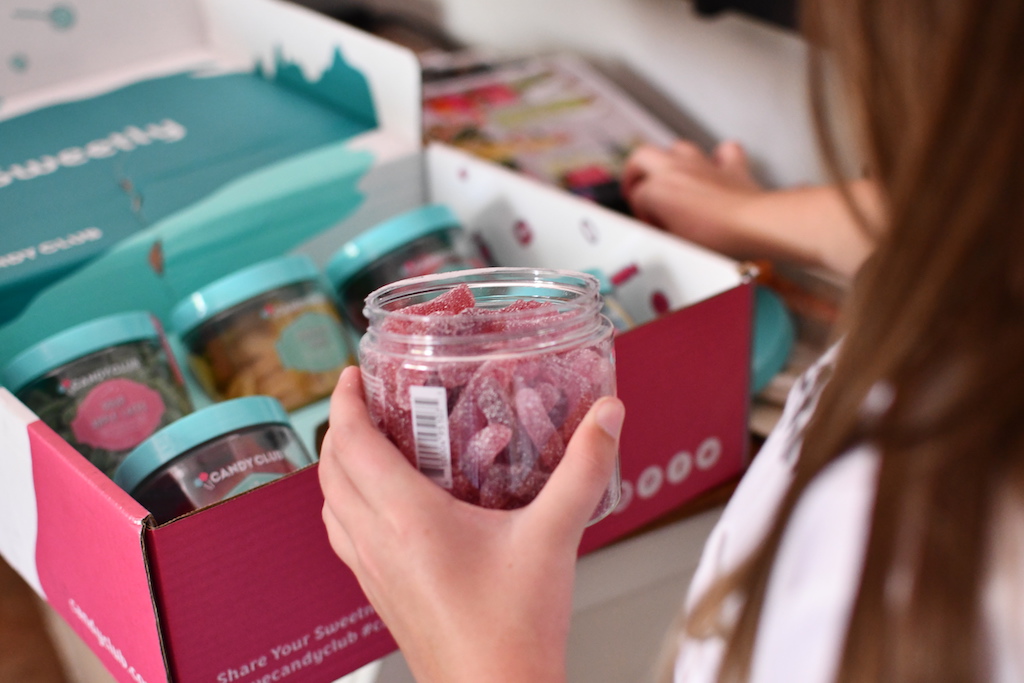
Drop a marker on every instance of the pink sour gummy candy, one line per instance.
(509, 418)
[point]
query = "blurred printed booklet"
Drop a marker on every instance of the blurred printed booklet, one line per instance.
(550, 117)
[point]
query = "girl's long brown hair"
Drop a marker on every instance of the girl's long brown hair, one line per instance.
(937, 315)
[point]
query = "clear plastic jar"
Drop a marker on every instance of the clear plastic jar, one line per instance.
(104, 386)
(269, 329)
(612, 309)
(423, 241)
(481, 377)
(214, 453)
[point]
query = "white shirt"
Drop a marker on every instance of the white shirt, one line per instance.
(817, 569)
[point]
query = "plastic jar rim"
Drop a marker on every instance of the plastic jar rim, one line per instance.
(240, 286)
(76, 342)
(193, 430)
(585, 307)
(385, 237)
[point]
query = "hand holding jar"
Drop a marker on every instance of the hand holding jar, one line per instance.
(481, 377)
(446, 575)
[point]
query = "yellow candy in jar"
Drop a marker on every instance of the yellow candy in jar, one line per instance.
(269, 329)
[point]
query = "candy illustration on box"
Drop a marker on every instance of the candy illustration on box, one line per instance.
(481, 377)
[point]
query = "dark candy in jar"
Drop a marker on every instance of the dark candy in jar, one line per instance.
(213, 454)
(423, 241)
(104, 386)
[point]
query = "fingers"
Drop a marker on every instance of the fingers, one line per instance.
(347, 401)
(571, 495)
(334, 483)
(644, 161)
(732, 158)
(378, 472)
(649, 160)
(365, 478)
(370, 489)
(346, 512)
(337, 488)
(651, 172)
(730, 155)
(655, 199)
(684, 151)
(339, 538)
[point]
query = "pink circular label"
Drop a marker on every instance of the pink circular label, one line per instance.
(117, 415)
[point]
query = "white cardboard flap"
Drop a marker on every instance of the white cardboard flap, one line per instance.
(18, 520)
(528, 223)
(51, 46)
(242, 26)
(67, 52)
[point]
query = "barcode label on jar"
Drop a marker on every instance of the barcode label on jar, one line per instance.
(430, 432)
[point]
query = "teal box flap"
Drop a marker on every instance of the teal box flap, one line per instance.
(146, 150)
(79, 177)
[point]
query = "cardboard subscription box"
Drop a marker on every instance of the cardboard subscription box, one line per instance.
(148, 148)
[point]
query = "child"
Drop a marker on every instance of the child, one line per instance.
(879, 534)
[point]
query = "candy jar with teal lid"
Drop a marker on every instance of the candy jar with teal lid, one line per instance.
(104, 385)
(213, 454)
(426, 240)
(270, 329)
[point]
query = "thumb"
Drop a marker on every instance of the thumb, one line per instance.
(569, 498)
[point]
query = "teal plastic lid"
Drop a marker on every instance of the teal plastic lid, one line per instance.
(774, 336)
(193, 430)
(384, 238)
(76, 342)
(240, 286)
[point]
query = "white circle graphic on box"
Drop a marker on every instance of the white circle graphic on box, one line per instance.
(679, 467)
(650, 482)
(708, 453)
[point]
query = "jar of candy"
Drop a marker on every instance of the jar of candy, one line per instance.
(214, 453)
(426, 240)
(104, 385)
(481, 377)
(269, 329)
